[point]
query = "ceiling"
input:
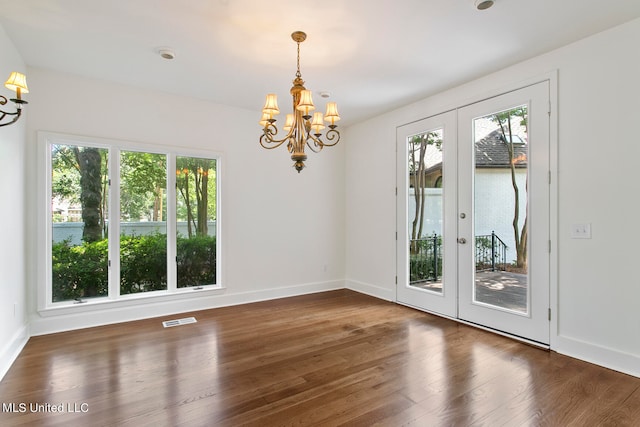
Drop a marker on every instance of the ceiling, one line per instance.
(371, 55)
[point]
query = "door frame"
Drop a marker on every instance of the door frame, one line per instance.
(453, 100)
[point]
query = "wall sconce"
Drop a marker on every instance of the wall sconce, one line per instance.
(17, 82)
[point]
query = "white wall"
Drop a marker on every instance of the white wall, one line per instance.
(13, 321)
(282, 232)
(494, 205)
(598, 286)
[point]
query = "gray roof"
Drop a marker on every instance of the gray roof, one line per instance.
(492, 152)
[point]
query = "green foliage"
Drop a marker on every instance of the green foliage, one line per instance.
(417, 148)
(425, 261)
(504, 117)
(424, 269)
(65, 179)
(143, 178)
(143, 263)
(196, 185)
(81, 271)
(79, 175)
(196, 261)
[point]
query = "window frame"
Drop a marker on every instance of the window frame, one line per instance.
(44, 228)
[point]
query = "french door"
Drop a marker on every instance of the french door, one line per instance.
(473, 213)
(426, 212)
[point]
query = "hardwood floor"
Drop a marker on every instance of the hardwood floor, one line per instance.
(329, 359)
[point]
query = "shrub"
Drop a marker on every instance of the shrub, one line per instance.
(143, 263)
(423, 269)
(79, 271)
(196, 261)
(82, 271)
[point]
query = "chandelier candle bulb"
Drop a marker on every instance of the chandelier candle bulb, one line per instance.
(265, 119)
(306, 103)
(271, 105)
(288, 122)
(332, 115)
(298, 126)
(317, 124)
(16, 82)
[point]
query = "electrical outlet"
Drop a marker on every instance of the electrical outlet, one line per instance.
(581, 231)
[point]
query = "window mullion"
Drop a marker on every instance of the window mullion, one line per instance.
(172, 268)
(114, 223)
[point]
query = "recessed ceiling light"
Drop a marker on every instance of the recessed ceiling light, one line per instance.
(166, 53)
(484, 4)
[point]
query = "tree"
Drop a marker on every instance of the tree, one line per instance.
(520, 233)
(194, 185)
(143, 179)
(82, 172)
(418, 146)
(80, 175)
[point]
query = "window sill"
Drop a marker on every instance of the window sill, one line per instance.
(72, 307)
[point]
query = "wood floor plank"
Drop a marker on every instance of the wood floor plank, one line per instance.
(328, 359)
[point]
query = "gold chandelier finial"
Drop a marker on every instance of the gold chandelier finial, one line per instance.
(303, 128)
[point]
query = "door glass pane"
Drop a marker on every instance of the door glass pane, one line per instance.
(79, 217)
(425, 210)
(196, 209)
(143, 226)
(500, 209)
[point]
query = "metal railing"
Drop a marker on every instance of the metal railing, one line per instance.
(491, 253)
(425, 259)
(425, 256)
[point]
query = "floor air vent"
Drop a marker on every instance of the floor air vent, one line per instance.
(179, 322)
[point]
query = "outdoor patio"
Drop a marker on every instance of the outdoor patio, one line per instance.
(500, 288)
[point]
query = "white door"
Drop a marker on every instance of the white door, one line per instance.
(503, 213)
(426, 214)
(468, 182)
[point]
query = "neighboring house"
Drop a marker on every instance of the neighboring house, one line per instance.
(493, 187)
(65, 211)
(494, 193)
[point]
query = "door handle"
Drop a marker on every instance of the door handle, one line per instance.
(462, 240)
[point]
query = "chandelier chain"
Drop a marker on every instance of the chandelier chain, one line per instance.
(298, 75)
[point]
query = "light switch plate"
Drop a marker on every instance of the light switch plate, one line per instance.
(581, 231)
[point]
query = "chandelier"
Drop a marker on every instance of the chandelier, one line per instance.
(300, 126)
(17, 82)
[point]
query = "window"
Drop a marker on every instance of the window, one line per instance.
(196, 205)
(143, 225)
(127, 220)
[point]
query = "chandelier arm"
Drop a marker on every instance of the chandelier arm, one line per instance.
(330, 136)
(317, 145)
(268, 137)
(3, 114)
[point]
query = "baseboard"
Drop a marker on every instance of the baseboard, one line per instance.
(612, 359)
(372, 290)
(12, 349)
(89, 316)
